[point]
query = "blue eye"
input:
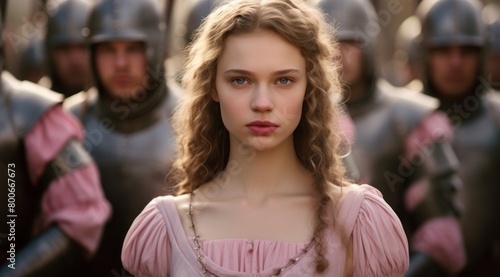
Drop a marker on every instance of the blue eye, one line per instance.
(239, 81)
(283, 81)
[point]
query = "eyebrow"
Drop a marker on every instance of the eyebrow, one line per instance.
(279, 72)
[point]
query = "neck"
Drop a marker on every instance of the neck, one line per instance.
(66, 91)
(128, 116)
(131, 108)
(256, 175)
(460, 110)
(61, 87)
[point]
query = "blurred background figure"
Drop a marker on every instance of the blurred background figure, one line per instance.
(127, 116)
(453, 44)
(186, 17)
(67, 59)
(59, 210)
(406, 57)
(32, 64)
(491, 16)
(402, 145)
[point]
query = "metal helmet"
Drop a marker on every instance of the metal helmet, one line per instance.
(112, 20)
(451, 22)
(198, 12)
(355, 20)
(187, 16)
(67, 24)
(447, 22)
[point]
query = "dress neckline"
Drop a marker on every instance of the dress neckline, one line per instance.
(186, 239)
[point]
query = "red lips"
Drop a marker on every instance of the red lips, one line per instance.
(262, 127)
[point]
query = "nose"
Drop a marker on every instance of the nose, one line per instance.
(262, 99)
(121, 60)
(78, 55)
(457, 58)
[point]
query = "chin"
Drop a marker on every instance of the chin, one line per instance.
(262, 143)
(453, 95)
(122, 94)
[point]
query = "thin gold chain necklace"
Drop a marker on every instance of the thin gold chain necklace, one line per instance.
(200, 256)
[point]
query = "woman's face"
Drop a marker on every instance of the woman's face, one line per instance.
(260, 85)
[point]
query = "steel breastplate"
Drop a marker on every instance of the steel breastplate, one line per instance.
(133, 163)
(382, 125)
(477, 144)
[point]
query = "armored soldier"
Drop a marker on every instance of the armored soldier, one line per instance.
(453, 43)
(402, 145)
(52, 199)
(67, 61)
(187, 16)
(126, 116)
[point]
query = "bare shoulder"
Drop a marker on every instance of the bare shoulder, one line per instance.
(182, 202)
(182, 206)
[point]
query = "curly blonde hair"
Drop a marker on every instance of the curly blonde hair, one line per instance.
(203, 140)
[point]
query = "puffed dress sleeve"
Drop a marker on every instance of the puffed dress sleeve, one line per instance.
(380, 246)
(74, 200)
(146, 248)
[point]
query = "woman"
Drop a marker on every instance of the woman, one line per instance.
(261, 186)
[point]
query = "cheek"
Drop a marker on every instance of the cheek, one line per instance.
(232, 113)
(357, 65)
(291, 110)
(59, 60)
(224, 94)
(141, 75)
(103, 68)
(435, 67)
(231, 107)
(84, 59)
(139, 68)
(472, 66)
(440, 61)
(352, 64)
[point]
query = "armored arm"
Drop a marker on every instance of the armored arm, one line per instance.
(74, 209)
(436, 241)
(441, 165)
(434, 253)
(422, 264)
(52, 253)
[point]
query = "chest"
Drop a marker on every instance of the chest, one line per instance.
(292, 221)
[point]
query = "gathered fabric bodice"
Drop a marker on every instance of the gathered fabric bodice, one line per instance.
(157, 244)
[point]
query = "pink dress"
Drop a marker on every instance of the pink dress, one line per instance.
(157, 245)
